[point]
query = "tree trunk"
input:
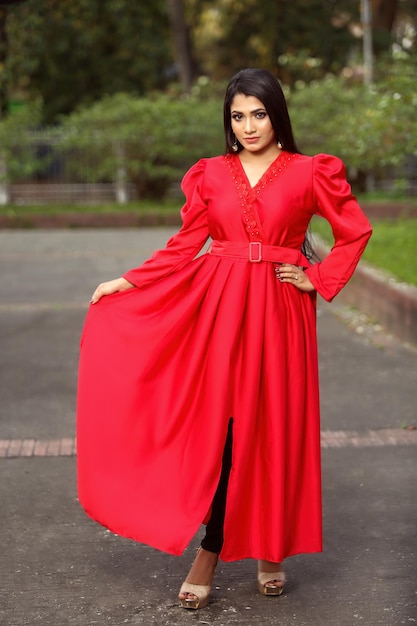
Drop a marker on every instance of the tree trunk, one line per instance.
(182, 43)
(384, 13)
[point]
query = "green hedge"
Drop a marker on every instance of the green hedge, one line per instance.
(368, 127)
(151, 141)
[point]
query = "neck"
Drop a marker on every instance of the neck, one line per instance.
(269, 154)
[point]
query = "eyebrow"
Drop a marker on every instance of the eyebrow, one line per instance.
(254, 111)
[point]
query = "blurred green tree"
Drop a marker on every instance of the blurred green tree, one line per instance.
(298, 40)
(76, 51)
(241, 33)
(4, 53)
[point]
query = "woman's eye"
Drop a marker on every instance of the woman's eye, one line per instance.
(237, 117)
(260, 115)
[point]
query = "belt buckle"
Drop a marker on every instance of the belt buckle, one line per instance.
(255, 251)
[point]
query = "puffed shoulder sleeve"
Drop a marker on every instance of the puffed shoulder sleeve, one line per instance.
(188, 241)
(351, 229)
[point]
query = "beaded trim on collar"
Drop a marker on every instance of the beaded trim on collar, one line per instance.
(248, 194)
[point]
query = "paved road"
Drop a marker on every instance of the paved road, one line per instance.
(57, 567)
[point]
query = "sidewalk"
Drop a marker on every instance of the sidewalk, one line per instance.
(59, 568)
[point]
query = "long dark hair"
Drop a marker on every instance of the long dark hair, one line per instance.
(263, 85)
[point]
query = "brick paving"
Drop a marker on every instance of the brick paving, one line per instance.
(66, 446)
(16, 448)
(368, 438)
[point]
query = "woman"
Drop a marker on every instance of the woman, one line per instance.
(198, 390)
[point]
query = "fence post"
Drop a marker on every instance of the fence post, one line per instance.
(121, 175)
(4, 187)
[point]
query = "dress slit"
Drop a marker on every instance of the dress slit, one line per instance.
(214, 537)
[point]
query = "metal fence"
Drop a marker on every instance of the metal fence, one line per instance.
(41, 167)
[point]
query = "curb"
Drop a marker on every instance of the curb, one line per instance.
(126, 219)
(380, 296)
(389, 211)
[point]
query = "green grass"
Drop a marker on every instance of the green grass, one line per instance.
(392, 247)
(143, 206)
(386, 197)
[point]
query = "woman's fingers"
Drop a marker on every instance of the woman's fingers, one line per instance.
(109, 287)
(288, 273)
(100, 291)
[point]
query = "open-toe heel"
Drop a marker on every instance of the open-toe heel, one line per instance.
(266, 582)
(198, 596)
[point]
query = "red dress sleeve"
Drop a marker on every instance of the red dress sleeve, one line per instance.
(185, 244)
(351, 229)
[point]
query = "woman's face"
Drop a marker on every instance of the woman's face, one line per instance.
(251, 124)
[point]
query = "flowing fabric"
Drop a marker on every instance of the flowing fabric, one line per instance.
(201, 339)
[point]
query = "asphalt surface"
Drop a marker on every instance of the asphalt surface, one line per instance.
(59, 568)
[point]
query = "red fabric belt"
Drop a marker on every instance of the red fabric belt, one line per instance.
(256, 252)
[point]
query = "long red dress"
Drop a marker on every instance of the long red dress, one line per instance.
(163, 367)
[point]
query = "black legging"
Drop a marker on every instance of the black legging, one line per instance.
(213, 539)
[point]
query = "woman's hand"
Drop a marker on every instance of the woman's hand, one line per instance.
(111, 286)
(295, 275)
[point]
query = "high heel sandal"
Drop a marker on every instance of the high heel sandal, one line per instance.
(266, 580)
(200, 593)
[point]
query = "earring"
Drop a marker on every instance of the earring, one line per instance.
(235, 147)
(280, 146)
